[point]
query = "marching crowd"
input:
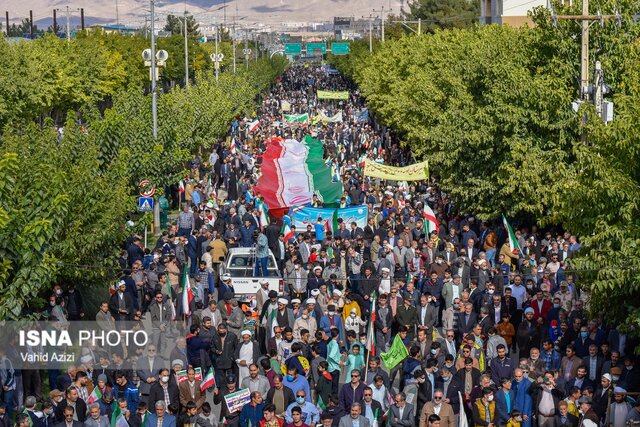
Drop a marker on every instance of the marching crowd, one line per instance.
(490, 337)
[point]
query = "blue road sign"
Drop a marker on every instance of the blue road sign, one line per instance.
(145, 204)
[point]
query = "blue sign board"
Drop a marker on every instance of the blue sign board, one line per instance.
(145, 204)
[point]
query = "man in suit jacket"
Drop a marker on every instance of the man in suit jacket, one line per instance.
(427, 314)
(466, 320)
(67, 418)
(401, 412)
(72, 399)
(166, 419)
(190, 390)
(593, 362)
(148, 371)
(354, 416)
(447, 417)
(368, 402)
(505, 399)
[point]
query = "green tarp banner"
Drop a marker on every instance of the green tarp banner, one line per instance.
(329, 94)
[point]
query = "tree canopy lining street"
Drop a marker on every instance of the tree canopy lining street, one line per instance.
(490, 108)
(64, 200)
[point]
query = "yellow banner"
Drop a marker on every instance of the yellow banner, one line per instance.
(417, 172)
(329, 94)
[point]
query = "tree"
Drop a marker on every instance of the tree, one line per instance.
(444, 14)
(175, 25)
(489, 107)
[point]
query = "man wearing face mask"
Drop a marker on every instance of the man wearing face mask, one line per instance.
(309, 411)
(484, 410)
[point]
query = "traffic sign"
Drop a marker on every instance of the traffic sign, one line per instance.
(316, 48)
(292, 48)
(340, 48)
(145, 204)
(146, 189)
(246, 51)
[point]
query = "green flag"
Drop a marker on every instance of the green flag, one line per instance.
(321, 404)
(334, 220)
(396, 353)
(115, 414)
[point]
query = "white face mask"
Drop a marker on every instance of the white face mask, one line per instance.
(490, 398)
(331, 313)
(353, 315)
(165, 379)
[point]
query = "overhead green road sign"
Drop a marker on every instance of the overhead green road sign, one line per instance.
(292, 48)
(340, 48)
(316, 48)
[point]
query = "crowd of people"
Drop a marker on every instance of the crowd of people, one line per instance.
(493, 337)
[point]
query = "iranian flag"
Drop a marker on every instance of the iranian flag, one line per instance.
(292, 172)
(187, 293)
(232, 147)
(371, 335)
(262, 208)
(513, 240)
(254, 125)
(181, 186)
(208, 381)
(286, 229)
(95, 395)
(430, 221)
(296, 119)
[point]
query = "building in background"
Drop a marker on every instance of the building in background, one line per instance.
(508, 12)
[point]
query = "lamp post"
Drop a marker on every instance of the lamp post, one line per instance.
(152, 60)
(217, 57)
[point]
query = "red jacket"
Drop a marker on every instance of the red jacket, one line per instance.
(546, 306)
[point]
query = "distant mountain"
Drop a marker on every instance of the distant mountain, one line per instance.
(132, 12)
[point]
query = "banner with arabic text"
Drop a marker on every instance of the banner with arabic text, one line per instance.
(332, 94)
(415, 172)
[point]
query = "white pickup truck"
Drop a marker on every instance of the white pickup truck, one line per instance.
(239, 264)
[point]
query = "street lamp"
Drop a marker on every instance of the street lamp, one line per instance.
(217, 57)
(151, 61)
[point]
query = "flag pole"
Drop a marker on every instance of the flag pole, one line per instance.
(366, 366)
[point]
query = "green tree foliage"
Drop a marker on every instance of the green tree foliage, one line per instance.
(444, 14)
(490, 108)
(64, 201)
(175, 25)
(56, 205)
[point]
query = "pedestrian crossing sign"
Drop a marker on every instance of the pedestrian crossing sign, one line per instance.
(145, 204)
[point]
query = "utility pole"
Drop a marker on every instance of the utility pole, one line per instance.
(587, 21)
(382, 19)
(6, 14)
(68, 13)
(217, 63)
(186, 51)
(55, 22)
(371, 17)
(154, 100)
(31, 24)
(117, 14)
(588, 93)
(246, 50)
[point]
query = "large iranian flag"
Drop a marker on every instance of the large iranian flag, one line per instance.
(513, 240)
(292, 172)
